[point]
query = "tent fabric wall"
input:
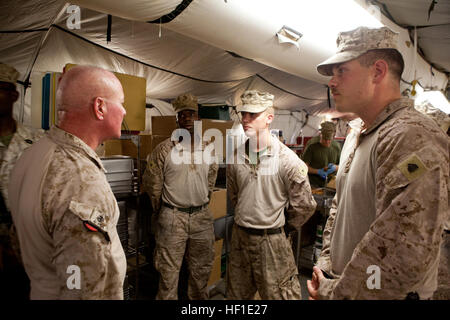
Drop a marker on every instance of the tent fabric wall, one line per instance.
(36, 39)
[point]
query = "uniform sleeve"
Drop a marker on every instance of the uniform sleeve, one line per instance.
(306, 156)
(411, 201)
(338, 152)
(212, 176)
(301, 201)
(232, 187)
(81, 255)
(324, 262)
(153, 178)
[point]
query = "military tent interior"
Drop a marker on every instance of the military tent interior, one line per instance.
(214, 49)
(218, 49)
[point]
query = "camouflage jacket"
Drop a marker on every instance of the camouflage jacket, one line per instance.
(66, 215)
(261, 191)
(22, 139)
(180, 185)
(390, 206)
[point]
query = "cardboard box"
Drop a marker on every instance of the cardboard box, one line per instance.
(222, 126)
(120, 147)
(218, 203)
(163, 125)
(216, 269)
(148, 142)
(332, 183)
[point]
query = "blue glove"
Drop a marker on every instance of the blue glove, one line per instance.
(331, 168)
(323, 174)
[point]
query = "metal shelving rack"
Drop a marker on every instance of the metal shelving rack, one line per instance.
(124, 177)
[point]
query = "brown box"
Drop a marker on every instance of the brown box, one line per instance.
(163, 125)
(148, 142)
(216, 269)
(218, 248)
(120, 147)
(222, 126)
(218, 203)
(332, 183)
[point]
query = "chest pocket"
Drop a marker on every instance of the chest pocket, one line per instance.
(92, 219)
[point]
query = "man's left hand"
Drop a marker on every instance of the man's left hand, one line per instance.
(331, 168)
(313, 285)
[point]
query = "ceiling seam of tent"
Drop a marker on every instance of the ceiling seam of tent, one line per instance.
(172, 15)
(147, 64)
(38, 48)
(24, 31)
(186, 76)
(286, 91)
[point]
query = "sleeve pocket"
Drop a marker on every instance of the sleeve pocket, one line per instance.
(92, 218)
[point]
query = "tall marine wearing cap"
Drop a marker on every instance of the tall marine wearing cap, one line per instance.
(265, 178)
(14, 139)
(383, 235)
(182, 221)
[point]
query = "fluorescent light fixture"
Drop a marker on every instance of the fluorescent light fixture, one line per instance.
(289, 35)
(322, 20)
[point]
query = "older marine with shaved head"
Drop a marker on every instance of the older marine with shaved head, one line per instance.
(61, 203)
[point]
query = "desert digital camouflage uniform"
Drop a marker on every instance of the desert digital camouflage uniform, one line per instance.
(390, 206)
(443, 289)
(178, 232)
(21, 140)
(66, 215)
(260, 190)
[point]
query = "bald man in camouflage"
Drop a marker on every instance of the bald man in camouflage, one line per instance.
(382, 238)
(61, 203)
(180, 194)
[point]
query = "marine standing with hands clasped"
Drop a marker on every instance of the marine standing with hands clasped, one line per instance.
(392, 186)
(180, 194)
(61, 203)
(266, 178)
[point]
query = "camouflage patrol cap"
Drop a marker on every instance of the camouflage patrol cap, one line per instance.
(354, 43)
(327, 129)
(8, 73)
(185, 101)
(255, 101)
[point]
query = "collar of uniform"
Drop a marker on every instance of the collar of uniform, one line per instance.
(27, 133)
(388, 111)
(67, 139)
(269, 151)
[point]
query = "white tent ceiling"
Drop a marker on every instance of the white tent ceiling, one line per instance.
(35, 38)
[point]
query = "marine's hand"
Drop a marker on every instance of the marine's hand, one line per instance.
(322, 173)
(314, 283)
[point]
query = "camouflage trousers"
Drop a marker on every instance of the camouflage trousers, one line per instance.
(178, 233)
(443, 289)
(263, 263)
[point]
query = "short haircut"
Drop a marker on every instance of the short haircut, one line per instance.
(392, 57)
(270, 110)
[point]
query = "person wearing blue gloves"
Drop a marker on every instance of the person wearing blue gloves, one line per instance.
(322, 155)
